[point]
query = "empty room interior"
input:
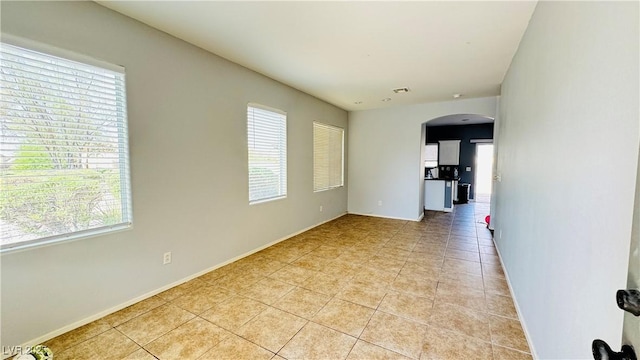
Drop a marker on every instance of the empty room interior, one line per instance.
(319, 180)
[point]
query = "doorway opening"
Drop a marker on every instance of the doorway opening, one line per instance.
(449, 157)
(484, 166)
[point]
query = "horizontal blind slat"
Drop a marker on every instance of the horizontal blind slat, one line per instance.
(63, 121)
(51, 101)
(45, 83)
(49, 127)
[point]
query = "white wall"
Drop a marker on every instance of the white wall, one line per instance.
(631, 331)
(569, 125)
(385, 151)
(187, 122)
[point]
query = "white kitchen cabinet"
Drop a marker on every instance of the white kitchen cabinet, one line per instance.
(449, 152)
(434, 195)
(438, 195)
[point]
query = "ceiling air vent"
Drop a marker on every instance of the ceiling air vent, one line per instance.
(401, 90)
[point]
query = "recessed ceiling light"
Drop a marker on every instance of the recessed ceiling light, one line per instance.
(358, 102)
(401, 90)
(386, 99)
(457, 96)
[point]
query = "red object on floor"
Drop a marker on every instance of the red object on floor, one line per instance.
(487, 219)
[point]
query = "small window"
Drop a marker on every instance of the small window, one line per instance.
(267, 142)
(328, 157)
(64, 164)
(431, 155)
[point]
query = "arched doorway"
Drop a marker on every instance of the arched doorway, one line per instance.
(450, 152)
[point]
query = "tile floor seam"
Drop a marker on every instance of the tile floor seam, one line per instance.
(125, 335)
(288, 341)
(204, 352)
(340, 331)
(147, 351)
(253, 342)
(85, 340)
(290, 313)
(159, 336)
(395, 352)
(244, 323)
(352, 346)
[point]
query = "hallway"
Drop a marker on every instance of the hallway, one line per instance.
(354, 288)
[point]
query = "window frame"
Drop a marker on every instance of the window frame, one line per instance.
(123, 154)
(330, 186)
(283, 161)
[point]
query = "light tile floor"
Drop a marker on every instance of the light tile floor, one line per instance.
(355, 288)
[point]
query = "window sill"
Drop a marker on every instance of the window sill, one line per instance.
(262, 201)
(331, 188)
(81, 235)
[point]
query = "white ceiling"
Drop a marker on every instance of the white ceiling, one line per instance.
(348, 51)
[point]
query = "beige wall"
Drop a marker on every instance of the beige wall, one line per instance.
(568, 156)
(187, 126)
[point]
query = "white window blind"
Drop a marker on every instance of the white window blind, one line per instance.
(267, 142)
(64, 169)
(328, 157)
(431, 155)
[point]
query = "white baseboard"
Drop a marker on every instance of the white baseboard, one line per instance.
(387, 217)
(515, 302)
(87, 320)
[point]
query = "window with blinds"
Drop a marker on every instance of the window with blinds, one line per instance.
(64, 168)
(328, 157)
(267, 144)
(431, 155)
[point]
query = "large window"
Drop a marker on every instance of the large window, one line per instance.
(267, 143)
(328, 157)
(64, 168)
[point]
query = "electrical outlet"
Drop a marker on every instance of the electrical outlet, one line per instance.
(320, 208)
(166, 259)
(500, 234)
(379, 202)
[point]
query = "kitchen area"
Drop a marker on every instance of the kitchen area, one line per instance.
(450, 164)
(441, 182)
